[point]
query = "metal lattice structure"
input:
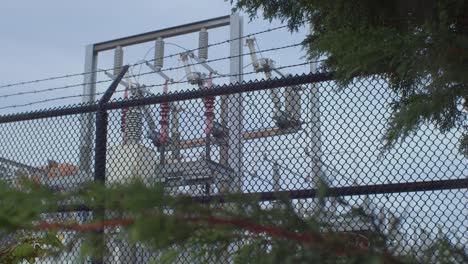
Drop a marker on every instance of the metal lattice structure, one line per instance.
(261, 138)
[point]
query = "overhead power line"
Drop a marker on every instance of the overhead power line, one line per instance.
(138, 63)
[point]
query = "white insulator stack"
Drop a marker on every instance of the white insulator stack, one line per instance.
(133, 125)
(118, 60)
(159, 54)
(203, 45)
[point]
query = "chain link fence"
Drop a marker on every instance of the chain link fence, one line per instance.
(258, 138)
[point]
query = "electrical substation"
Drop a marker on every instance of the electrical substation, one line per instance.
(219, 167)
(171, 118)
(220, 140)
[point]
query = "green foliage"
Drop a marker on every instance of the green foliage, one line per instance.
(168, 256)
(419, 47)
(38, 201)
(240, 229)
(30, 247)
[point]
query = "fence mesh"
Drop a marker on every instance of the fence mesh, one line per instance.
(281, 139)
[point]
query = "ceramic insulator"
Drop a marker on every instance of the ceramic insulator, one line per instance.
(203, 45)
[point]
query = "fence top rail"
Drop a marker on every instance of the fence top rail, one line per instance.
(171, 97)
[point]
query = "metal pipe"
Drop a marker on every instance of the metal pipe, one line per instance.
(235, 105)
(267, 132)
(387, 188)
(405, 187)
(159, 72)
(202, 63)
(250, 43)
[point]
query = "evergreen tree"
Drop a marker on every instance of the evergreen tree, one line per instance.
(178, 230)
(419, 46)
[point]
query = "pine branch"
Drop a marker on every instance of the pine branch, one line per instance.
(325, 241)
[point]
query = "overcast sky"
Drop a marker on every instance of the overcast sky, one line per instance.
(48, 38)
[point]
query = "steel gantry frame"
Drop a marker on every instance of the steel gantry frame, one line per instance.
(231, 106)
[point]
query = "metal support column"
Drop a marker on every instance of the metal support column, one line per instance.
(87, 119)
(234, 105)
(231, 117)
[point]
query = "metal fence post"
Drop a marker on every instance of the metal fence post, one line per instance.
(100, 156)
(101, 142)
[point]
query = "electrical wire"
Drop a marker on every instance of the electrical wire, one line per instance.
(147, 86)
(145, 73)
(247, 65)
(137, 80)
(143, 60)
(53, 89)
(146, 55)
(225, 58)
(194, 64)
(230, 75)
(176, 45)
(135, 64)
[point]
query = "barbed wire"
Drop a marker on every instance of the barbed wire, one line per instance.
(138, 63)
(146, 86)
(225, 76)
(146, 73)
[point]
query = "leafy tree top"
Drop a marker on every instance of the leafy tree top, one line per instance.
(419, 46)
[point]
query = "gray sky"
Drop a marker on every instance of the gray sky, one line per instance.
(47, 38)
(43, 38)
